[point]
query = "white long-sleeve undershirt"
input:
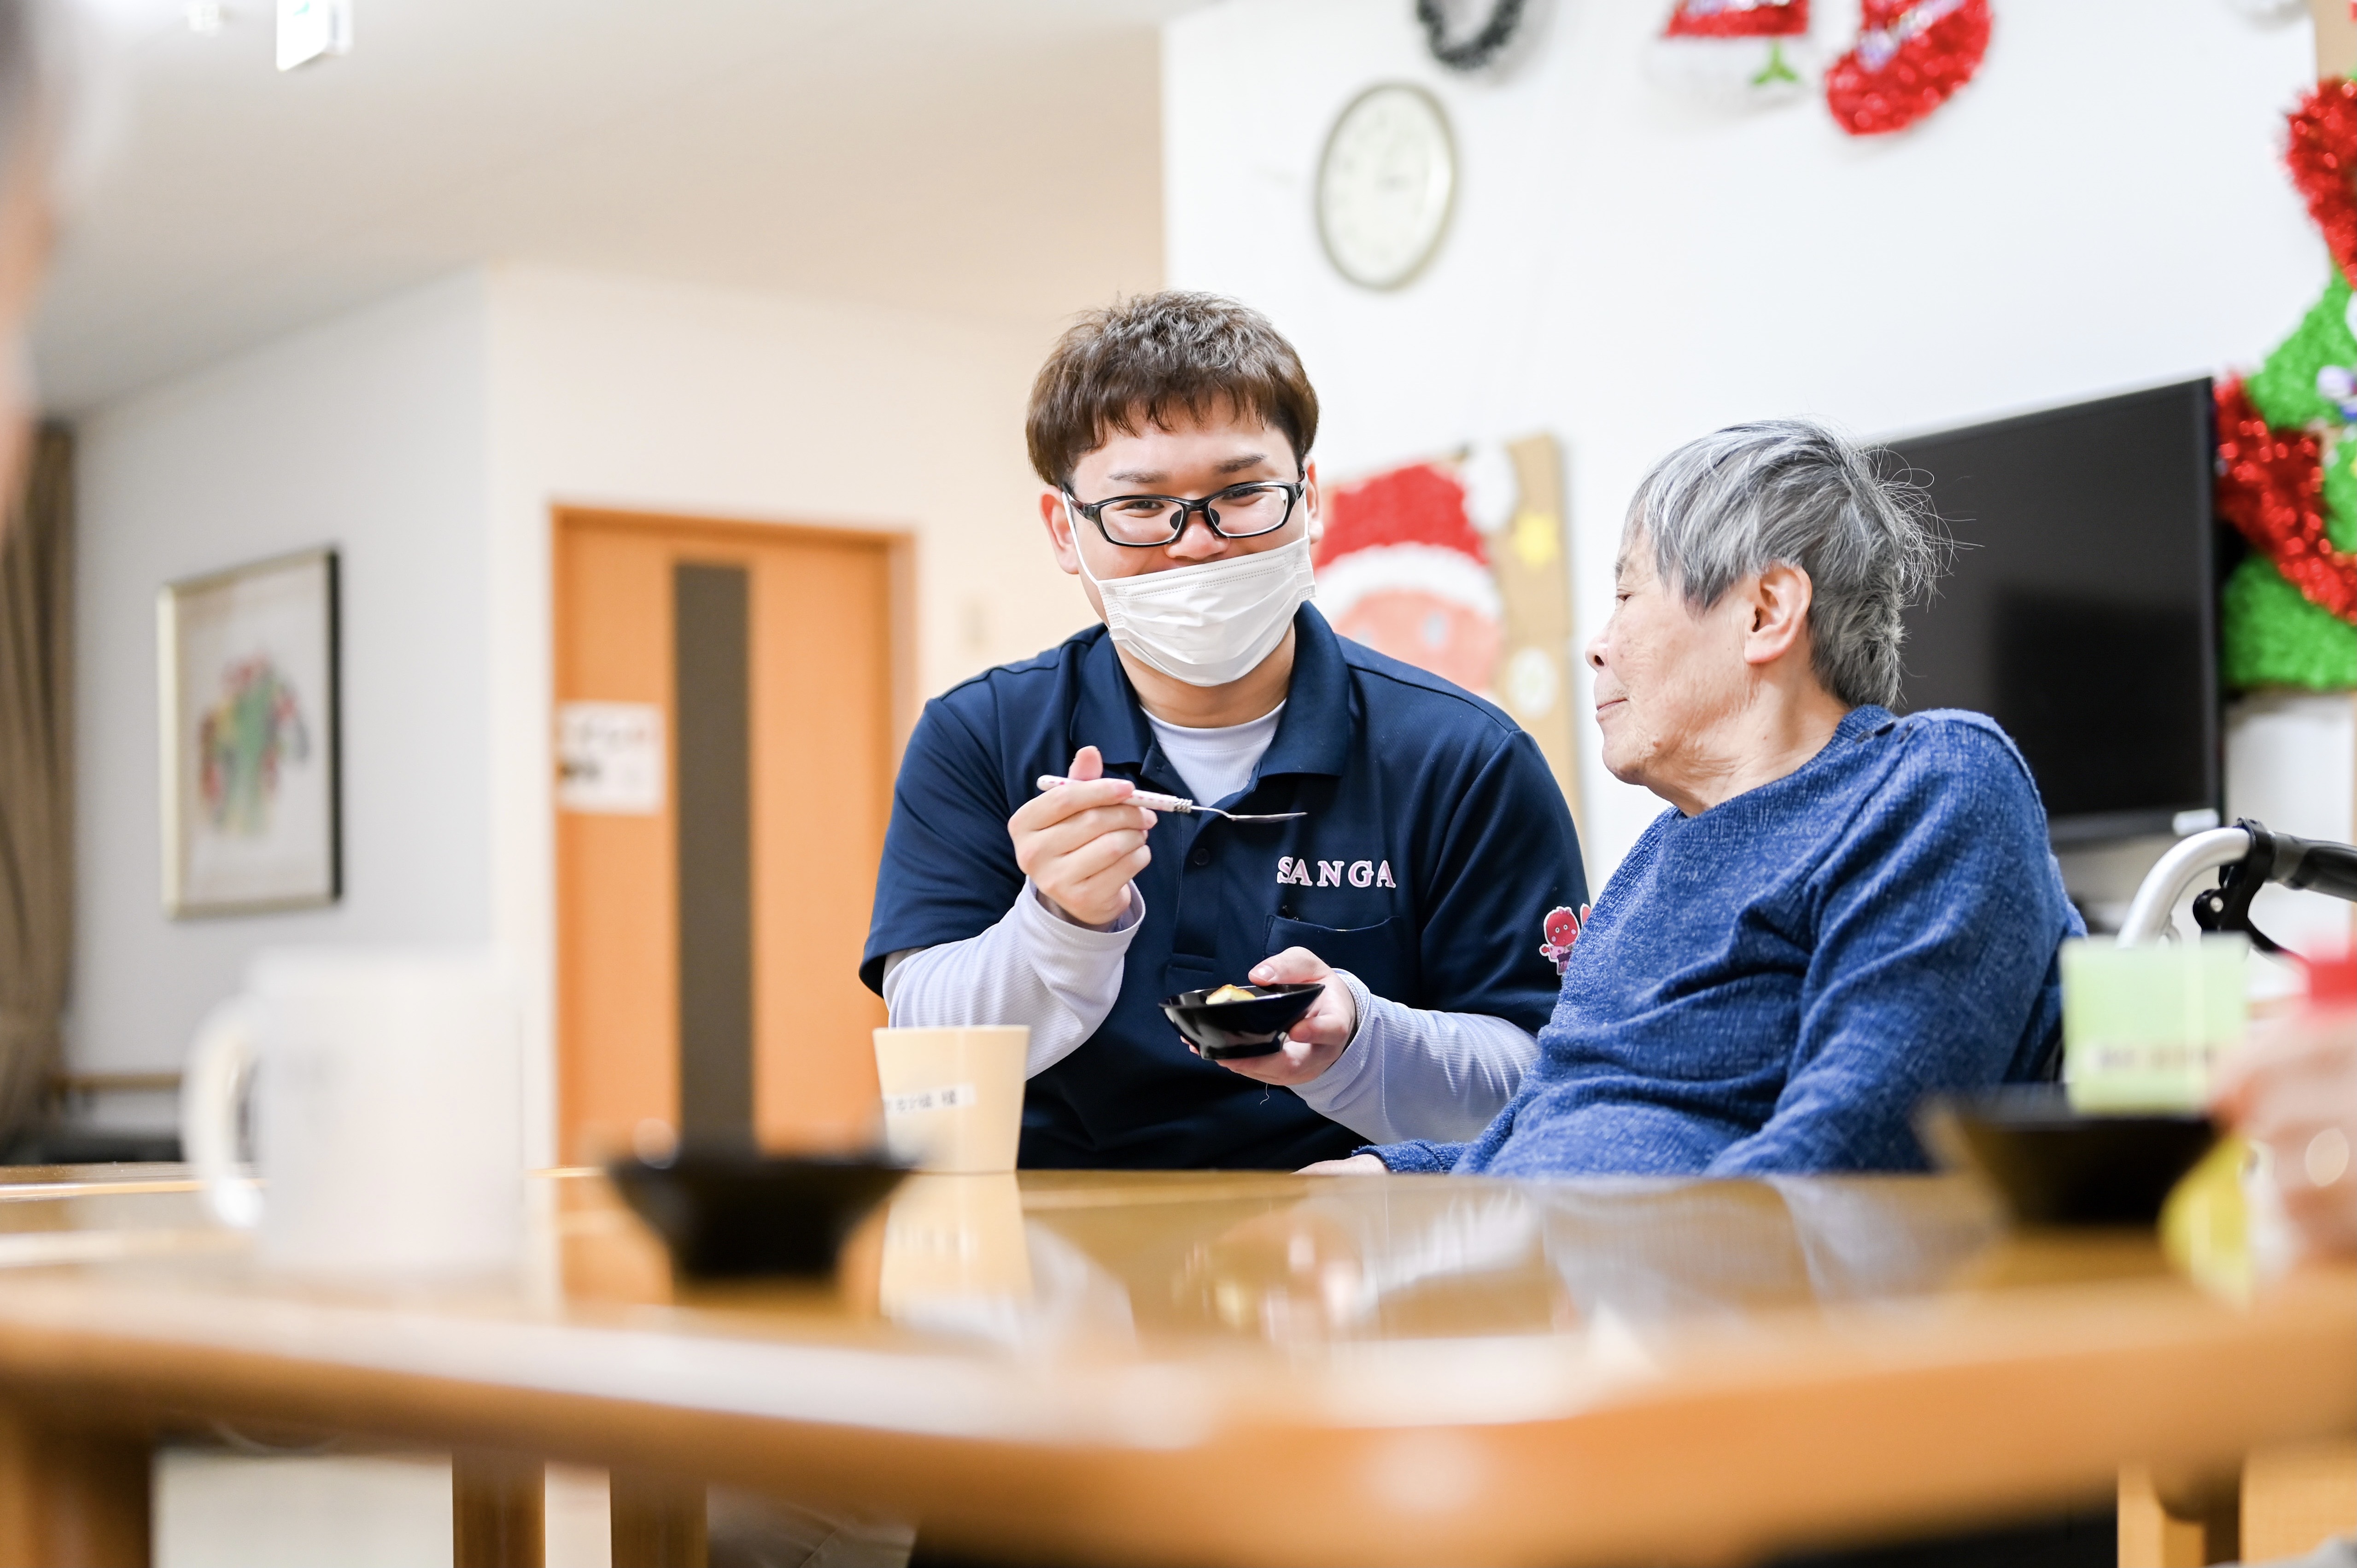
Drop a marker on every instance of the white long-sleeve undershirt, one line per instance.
(1406, 1073)
(1410, 1072)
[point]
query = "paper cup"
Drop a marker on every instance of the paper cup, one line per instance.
(953, 1098)
(2144, 1027)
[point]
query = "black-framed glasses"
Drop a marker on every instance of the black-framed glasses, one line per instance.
(1239, 511)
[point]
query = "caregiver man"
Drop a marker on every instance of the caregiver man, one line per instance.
(1172, 433)
(1840, 910)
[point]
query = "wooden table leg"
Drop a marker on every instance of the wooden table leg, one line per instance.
(73, 1498)
(2175, 1524)
(495, 1511)
(657, 1522)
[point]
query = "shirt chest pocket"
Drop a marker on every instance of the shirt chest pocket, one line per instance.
(1383, 955)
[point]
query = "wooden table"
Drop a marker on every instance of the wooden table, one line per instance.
(1193, 1368)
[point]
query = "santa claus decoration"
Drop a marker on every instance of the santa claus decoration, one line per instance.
(1402, 569)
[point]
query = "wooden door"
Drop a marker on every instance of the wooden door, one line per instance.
(709, 926)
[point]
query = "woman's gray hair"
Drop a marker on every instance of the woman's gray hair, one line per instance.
(1790, 492)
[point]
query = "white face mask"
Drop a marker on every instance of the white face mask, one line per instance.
(1211, 624)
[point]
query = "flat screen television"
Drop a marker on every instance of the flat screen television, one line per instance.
(2082, 609)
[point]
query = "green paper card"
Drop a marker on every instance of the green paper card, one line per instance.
(2142, 1027)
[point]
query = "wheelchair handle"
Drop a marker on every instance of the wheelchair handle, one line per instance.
(2323, 867)
(2246, 856)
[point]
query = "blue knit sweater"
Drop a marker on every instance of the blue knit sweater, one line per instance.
(1771, 985)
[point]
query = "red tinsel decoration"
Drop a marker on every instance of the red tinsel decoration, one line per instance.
(1910, 55)
(1737, 20)
(2271, 488)
(2322, 156)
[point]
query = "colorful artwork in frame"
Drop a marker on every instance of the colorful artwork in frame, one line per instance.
(247, 697)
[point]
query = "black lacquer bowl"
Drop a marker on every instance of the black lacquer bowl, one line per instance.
(733, 1214)
(2054, 1165)
(1255, 1028)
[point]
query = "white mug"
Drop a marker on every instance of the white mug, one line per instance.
(386, 1107)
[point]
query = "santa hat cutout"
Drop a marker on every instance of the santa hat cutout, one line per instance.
(1403, 529)
(1736, 51)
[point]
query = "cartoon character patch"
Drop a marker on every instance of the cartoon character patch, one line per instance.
(1561, 929)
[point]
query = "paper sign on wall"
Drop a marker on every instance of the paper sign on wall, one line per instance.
(609, 759)
(308, 30)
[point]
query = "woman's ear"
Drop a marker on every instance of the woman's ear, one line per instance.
(1309, 500)
(1780, 599)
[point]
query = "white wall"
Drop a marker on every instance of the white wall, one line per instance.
(618, 393)
(2101, 209)
(367, 434)
(428, 437)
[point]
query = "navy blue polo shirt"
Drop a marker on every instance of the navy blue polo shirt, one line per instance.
(1436, 841)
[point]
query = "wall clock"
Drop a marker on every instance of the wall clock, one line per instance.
(1385, 185)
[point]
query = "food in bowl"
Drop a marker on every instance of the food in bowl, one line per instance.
(1221, 1024)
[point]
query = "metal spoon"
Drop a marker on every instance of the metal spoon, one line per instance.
(1180, 807)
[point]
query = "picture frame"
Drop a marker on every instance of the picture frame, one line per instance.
(249, 699)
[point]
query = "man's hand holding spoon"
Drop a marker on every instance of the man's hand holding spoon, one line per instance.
(1082, 844)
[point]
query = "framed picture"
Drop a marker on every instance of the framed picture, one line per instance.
(251, 803)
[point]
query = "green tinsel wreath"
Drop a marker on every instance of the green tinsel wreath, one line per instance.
(2270, 634)
(2284, 389)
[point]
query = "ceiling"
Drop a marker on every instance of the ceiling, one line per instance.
(996, 157)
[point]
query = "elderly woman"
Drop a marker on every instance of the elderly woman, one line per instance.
(1843, 909)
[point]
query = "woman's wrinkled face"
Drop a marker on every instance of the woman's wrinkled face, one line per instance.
(1667, 675)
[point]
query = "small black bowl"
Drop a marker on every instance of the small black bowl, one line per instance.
(731, 1214)
(1222, 1030)
(2054, 1165)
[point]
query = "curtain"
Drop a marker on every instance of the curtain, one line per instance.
(35, 778)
